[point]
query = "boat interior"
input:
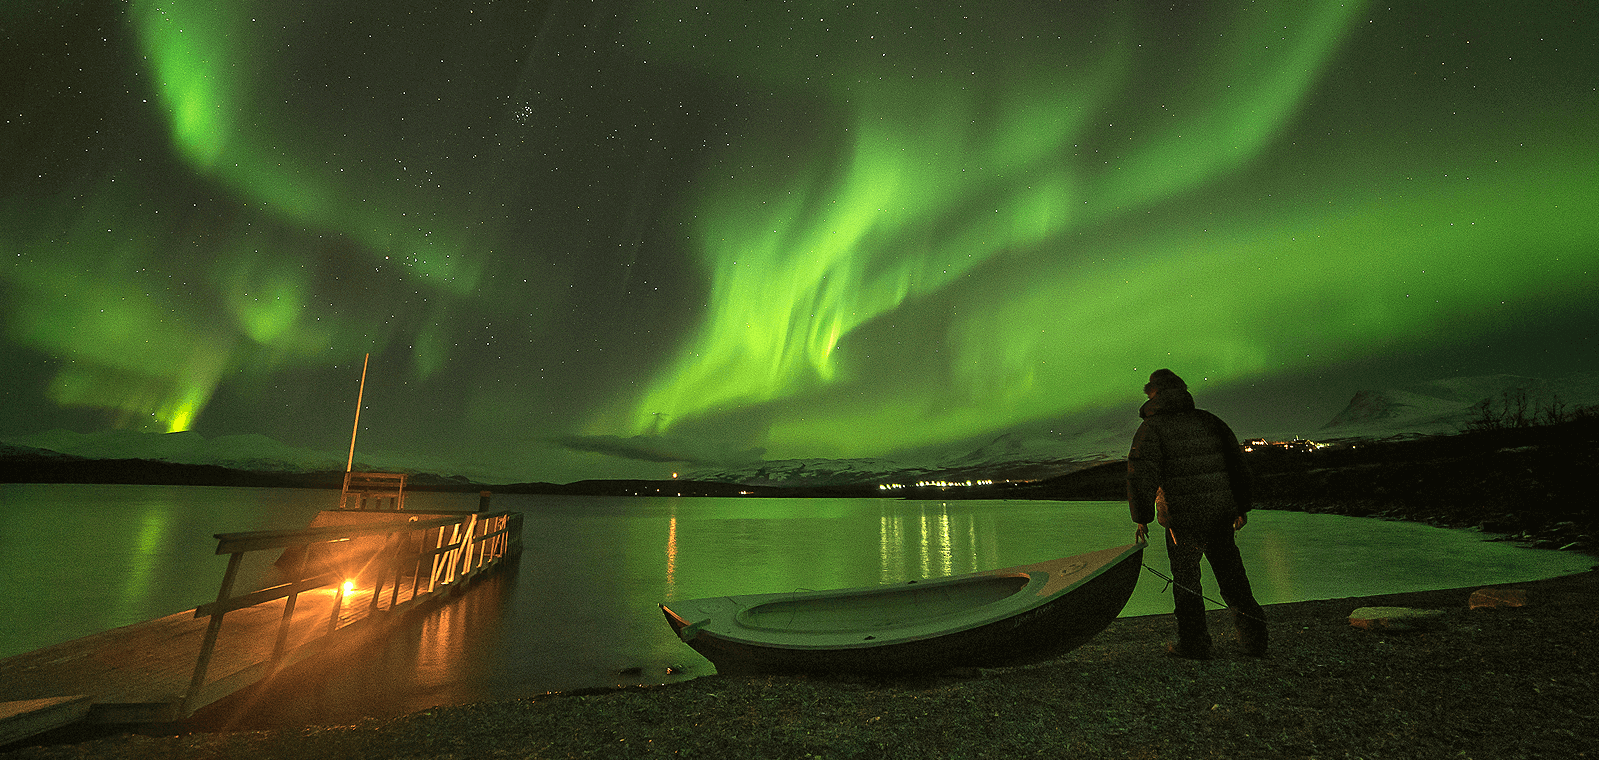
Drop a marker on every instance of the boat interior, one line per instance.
(913, 603)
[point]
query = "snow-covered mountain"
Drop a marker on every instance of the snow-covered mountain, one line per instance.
(1457, 404)
(1023, 454)
(240, 452)
(245, 452)
(1436, 408)
(809, 472)
(1006, 458)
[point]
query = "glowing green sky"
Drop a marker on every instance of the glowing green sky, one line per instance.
(586, 243)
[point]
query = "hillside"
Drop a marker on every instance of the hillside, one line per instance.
(1533, 483)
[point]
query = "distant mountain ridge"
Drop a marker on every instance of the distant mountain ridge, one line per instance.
(1453, 405)
(1440, 407)
(247, 452)
(1030, 453)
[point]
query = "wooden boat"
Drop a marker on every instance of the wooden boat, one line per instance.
(999, 617)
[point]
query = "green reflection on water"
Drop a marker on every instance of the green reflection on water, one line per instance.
(79, 559)
(149, 542)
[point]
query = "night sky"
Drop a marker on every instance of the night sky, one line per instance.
(618, 239)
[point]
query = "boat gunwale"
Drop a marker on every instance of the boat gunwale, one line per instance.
(743, 618)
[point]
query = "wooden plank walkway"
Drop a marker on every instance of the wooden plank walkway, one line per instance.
(140, 673)
(143, 673)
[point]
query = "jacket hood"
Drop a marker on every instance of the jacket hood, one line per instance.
(1167, 401)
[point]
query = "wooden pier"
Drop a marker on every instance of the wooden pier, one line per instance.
(345, 575)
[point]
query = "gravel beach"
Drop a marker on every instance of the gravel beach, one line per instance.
(1503, 682)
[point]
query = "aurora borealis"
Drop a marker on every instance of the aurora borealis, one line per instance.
(610, 239)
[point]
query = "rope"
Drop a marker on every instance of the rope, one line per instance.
(1170, 581)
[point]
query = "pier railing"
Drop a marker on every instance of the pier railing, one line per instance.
(373, 490)
(399, 561)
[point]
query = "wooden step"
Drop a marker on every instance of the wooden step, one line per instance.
(23, 718)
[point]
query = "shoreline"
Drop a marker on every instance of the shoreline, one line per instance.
(1496, 682)
(1551, 535)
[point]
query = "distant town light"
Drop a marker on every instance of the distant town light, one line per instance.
(938, 484)
(1297, 444)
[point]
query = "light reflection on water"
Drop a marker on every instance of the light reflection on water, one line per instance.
(578, 609)
(79, 559)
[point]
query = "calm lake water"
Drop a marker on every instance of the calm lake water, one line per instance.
(579, 607)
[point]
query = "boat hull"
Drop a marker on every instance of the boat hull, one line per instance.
(967, 621)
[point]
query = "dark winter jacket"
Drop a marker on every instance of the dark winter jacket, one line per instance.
(1192, 459)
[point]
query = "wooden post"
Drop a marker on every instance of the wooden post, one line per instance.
(350, 463)
(288, 611)
(438, 562)
(209, 643)
(468, 542)
(338, 600)
(386, 560)
(399, 567)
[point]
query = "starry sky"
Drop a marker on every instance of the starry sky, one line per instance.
(617, 239)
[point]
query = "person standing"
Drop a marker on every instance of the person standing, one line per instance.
(1186, 472)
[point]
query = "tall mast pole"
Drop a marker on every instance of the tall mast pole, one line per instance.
(350, 463)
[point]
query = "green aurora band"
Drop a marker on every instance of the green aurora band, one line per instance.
(1034, 206)
(203, 58)
(937, 173)
(145, 345)
(943, 182)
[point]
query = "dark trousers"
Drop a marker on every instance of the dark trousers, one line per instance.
(1184, 549)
